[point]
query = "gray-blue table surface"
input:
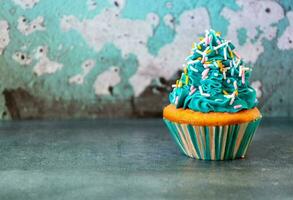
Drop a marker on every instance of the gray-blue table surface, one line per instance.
(136, 159)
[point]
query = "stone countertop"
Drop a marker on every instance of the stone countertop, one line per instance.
(136, 159)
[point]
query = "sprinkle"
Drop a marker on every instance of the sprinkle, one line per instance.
(191, 87)
(232, 71)
(199, 47)
(206, 65)
(232, 100)
(192, 91)
(236, 54)
(185, 70)
(210, 40)
(193, 69)
(205, 73)
(204, 59)
(207, 38)
(225, 92)
(192, 62)
(243, 77)
(180, 84)
(228, 81)
(202, 93)
(238, 62)
(225, 53)
(221, 45)
(224, 74)
(235, 85)
(218, 34)
(208, 51)
(240, 71)
(186, 80)
(174, 86)
(199, 52)
(176, 100)
(237, 106)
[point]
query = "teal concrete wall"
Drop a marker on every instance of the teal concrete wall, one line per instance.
(72, 59)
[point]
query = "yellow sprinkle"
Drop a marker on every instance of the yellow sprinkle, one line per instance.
(208, 51)
(236, 92)
(180, 84)
(220, 65)
(192, 46)
(185, 70)
(199, 58)
(208, 62)
(225, 92)
(186, 80)
(199, 47)
(201, 38)
(218, 34)
(177, 82)
(231, 54)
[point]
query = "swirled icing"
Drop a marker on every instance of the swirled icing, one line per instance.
(215, 78)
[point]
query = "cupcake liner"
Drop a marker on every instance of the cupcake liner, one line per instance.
(213, 142)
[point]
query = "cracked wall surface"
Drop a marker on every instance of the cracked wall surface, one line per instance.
(115, 58)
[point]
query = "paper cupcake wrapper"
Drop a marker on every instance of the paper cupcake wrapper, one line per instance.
(213, 142)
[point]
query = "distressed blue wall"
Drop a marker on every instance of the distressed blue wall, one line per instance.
(117, 58)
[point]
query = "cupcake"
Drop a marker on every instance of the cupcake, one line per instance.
(212, 113)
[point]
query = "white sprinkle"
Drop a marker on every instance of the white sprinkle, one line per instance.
(176, 100)
(228, 81)
(232, 100)
(235, 85)
(193, 69)
(221, 45)
(202, 93)
(199, 52)
(225, 53)
(174, 85)
(192, 62)
(240, 71)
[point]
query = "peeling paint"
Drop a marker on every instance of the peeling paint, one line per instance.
(86, 66)
(27, 27)
(44, 64)
(171, 56)
(285, 42)
(257, 85)
(4, 35)
(253, 16)
(169, 21)
(26, 4)
(106, 81)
